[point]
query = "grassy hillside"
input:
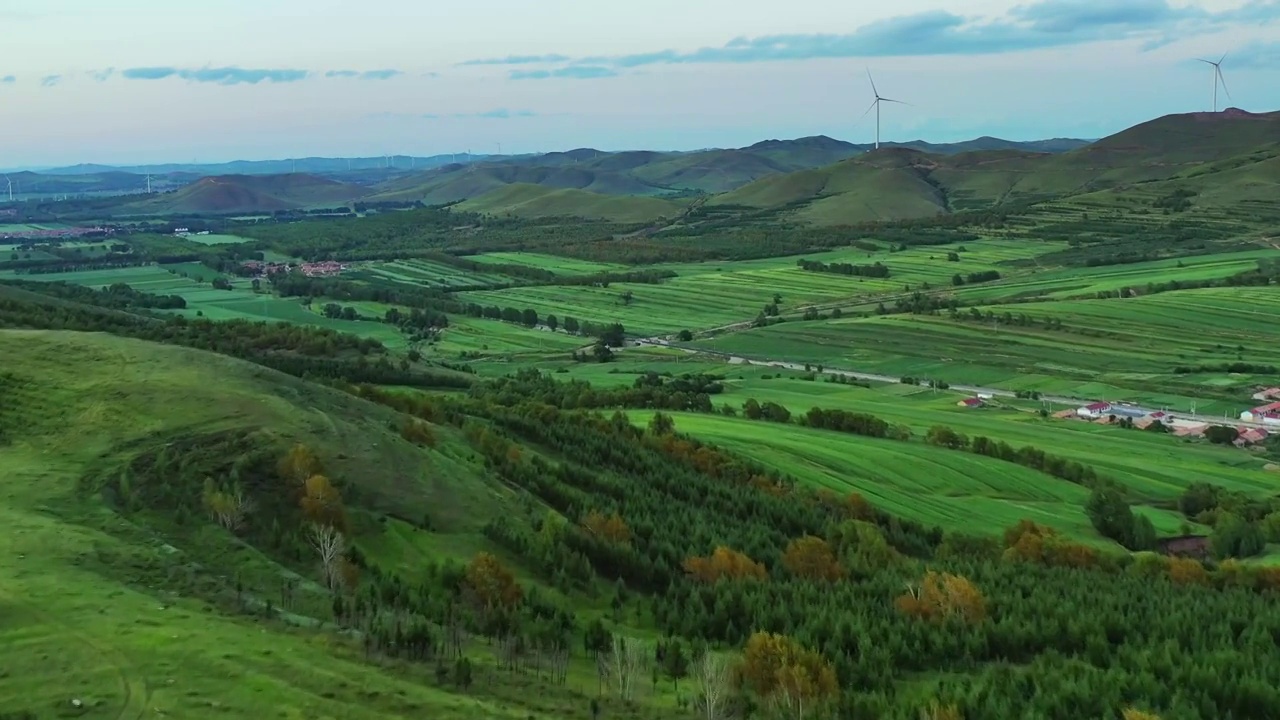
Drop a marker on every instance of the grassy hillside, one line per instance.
(461, 182)
(250, 194)
(134, 613)
(535, 201)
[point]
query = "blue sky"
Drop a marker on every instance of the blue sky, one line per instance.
(140, 81)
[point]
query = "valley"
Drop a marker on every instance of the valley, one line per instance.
(950, 430)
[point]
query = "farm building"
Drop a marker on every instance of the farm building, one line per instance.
(1251, 436)
(972, 402)
(1185, 546)
(1267, 394)
(1269, 414)
(1190, 429)
(1094, 410)
(1133, 412)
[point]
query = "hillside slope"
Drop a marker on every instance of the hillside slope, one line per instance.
(103, 443)
(251, 194)
(536, 201)
(453, 183)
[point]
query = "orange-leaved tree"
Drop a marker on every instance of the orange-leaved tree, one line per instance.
(1187, 571)
(812, 558)
(299, 464)
(781, 671)
(724, 563)
(322, 503)
(610, 528)
(938, 711)
(941, 596)
(491, 584)
(1135, 714)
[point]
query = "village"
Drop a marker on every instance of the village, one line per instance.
(261, 269)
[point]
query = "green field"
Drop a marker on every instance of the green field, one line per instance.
(427, 273)
(911, 480)
(1107, 349)
(1156, 467)
(711, 294)
(554, 263)
(213, 239)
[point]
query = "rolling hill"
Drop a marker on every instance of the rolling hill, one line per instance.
(535, 201)
(251, 194)
(453, 183)
(896, 182)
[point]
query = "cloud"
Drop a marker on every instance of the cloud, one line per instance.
(102, 75)
(1254, 56)
(50, 80)
(573, 72)
(8, 80)
(366, 75)
(519, 60)
(220, 76)
(1037, 25)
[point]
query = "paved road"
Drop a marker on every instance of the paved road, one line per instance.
(974, 389)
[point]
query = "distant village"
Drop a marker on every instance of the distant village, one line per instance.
(1105, 413)
(261, 269)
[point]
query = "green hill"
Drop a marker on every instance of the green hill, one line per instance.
(229, 194)
(118, 591)
(1225, 157)
(535, 201)
(462, 182)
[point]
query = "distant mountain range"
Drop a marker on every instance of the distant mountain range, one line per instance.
(814, 180)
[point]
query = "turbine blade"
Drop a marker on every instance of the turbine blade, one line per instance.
(874, 91)
(900, 102)
(1224, 57)
(1223, 80)
(869, 109)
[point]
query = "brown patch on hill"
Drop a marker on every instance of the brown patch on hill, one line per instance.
(1185, 546)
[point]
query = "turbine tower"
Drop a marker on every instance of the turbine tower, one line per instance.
(10, 181)
(1217, 79)
(148, 183)
(875, 105)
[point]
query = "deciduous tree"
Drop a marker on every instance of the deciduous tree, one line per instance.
(943, 596)
(492, 585)
(812, 558)
(322, 504)
(724, 563)
(610, 528)
(713, 686)
(299, 464)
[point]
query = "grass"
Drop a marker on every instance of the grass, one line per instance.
(133, 615)
(912, 480)
(536, 201)
(218, 239)
(554, 263)
(712, 294)
(427, 273)
(1155, 467)
(1108, 349)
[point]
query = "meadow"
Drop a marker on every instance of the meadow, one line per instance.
(217, 239)
(1155, 467)
(713, 294)
(1113, 349)
(554, 263)
(911, 480)
(426, 273)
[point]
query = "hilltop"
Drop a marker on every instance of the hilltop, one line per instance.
(251, 194)
(900, 183)
(536, 201)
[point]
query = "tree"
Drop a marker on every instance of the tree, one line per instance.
(938, 711)
(812, 558)
(724, 563)
(299, 464)
(713, 678)
(661, 424)
(227, 507)
(529, 317)
(330, 544)
(491, 584)
(943, 436)
(684, 336)
(1233, 536)
(675, 664)
(601, 352)
(571, 325)
(611, 529)
(751, 409)
(1221, 434)
(625, 663)
(462, 673)
(322, 504)
(552, 323)
(943, 596)
(781, 671)
(1135, 714)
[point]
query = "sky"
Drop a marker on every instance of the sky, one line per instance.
(150, 81)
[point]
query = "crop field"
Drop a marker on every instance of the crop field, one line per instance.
(1156, 467)
(554, 263)
(218, 239)
(203, 300)
(912, 480)
(1132, 344)
(477, 338)
(427, 274)
(711, 294)
(1088, 281)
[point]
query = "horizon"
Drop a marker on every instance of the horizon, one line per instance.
(132, 88)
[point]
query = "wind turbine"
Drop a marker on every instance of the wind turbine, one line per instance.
(148, 183)
(1217, 78)
(875, 105)
(10, 181)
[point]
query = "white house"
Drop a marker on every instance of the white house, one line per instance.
(1269, 414)
(1094, 410)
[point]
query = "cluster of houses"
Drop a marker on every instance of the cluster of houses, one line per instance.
(327, 268)
(1268, 414)
(1142, 418)
(56, 233)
